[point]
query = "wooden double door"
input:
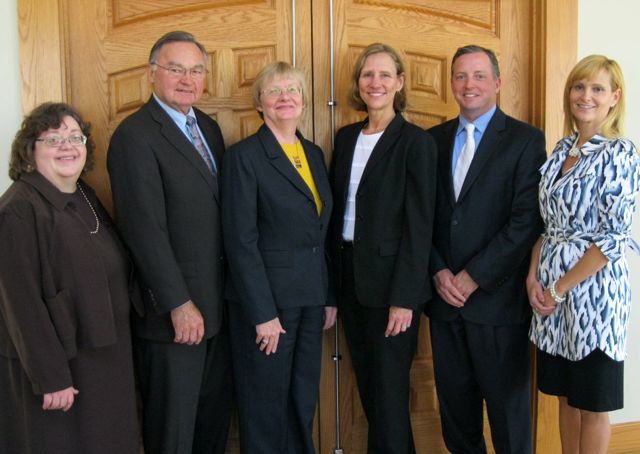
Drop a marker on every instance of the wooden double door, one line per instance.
(93, 54)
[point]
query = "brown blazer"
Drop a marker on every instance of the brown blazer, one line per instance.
(54, 293)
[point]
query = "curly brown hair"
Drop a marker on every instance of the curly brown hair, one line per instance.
(48, 115)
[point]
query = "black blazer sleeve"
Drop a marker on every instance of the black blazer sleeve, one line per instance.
(410, 273)
(239, 189)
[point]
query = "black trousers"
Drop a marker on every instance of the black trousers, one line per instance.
(186, 395)
(472, 363)
(382, 366)
(277, 394)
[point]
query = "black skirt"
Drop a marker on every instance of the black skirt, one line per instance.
(595, 383)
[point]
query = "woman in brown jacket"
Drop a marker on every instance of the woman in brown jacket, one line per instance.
(66, 375)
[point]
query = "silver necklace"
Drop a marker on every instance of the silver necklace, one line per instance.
(92, 232)
(574, 152)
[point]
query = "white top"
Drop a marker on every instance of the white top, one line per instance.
(364, 147)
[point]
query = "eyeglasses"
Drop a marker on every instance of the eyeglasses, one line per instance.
(175, 71)
(57, 141)
(274, 92)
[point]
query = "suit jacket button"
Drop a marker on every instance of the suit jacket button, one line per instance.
(315, 249)
(454, 223)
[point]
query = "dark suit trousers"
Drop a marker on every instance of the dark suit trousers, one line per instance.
(472, 363)
(277, 394)
(382, 366)
(186, 394)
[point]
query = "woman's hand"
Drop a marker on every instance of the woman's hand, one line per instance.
(59, 400)
(330, 313)
(268, 335)
(537, 298)
(399, 320)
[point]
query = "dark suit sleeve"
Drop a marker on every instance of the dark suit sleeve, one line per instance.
(240, 232)
(491, 266)
(436, 262)
(139, 200)
(23, 309)
(411, 271)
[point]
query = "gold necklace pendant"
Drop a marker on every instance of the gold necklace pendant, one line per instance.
(296, 162)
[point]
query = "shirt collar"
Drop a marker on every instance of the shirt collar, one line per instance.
(589, 147)
(53, 195)
(178, 117)
(480, 123)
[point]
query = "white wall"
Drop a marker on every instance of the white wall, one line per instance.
(610, 28)
(11, 108)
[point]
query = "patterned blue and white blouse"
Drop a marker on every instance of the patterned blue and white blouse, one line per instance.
(593, 203)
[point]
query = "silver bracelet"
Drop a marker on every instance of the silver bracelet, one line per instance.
(557, 298)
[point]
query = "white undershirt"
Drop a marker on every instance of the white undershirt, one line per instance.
(364, 147)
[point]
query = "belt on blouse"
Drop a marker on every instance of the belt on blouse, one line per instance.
(555, 236)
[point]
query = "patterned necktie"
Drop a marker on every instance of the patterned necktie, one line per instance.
(199, 144)
(464, 160)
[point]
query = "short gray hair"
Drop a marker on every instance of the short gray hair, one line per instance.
(174, 37)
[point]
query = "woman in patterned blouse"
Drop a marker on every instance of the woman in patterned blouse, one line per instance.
(578, 282)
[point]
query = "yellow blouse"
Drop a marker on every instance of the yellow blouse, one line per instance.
(296, 155)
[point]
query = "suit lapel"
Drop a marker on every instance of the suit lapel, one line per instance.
(384, 145)
(489, 144)
(319, 173)
(175, 137)
(342, 167)
(445, 158)
(279, 160)
(212, 136)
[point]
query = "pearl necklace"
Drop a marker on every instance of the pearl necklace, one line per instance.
(92, 232)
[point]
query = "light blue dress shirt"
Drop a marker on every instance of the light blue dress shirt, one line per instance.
(461, 134)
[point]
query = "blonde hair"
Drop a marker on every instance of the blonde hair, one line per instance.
(278, 70)
(589, 68)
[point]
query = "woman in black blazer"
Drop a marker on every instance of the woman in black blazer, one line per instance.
(276, 203)
(383, 180)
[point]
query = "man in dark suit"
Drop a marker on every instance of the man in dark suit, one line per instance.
(487, 221)
(163, 163)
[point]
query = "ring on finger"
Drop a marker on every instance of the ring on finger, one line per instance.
(264, 341)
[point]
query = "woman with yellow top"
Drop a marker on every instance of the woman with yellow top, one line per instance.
(276, 204)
